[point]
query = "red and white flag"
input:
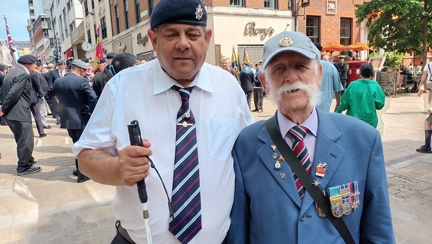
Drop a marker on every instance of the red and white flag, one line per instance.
(12, 47)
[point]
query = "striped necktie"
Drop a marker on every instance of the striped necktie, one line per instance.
(186, 197)
(298, 133)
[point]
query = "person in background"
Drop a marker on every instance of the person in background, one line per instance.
(110, 56)
(363, 97)
(426, 148)
(246, 81)
(342, 68)
(16, 110)
(258, 92)
(338, 152)
(182, 104)
(36, 93)
(2, 75)
(76, 101)
(120, 62)
(330, 85)
(225, 64)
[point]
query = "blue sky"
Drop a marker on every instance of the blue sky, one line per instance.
(17, 13)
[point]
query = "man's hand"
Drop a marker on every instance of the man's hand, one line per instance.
(1, 112)
(134, 163)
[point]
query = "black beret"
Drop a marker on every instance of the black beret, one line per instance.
(27, 59)
(2, 67)
(111, 55)
(85, 60)
(38, 62)
(189, 12)
(102, 61)
(61, 63)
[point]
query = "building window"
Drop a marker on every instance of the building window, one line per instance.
(117, 18)
(137, 10)
(239, 3)
(86, 8)
(103, 28)
(93, 6)
(345, 31)
(89, 36)
(271, 4)
(151, 6)
(313, 28)
(126, 9)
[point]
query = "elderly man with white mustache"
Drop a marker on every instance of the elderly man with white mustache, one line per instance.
(305, 175)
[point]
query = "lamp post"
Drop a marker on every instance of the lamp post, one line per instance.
(295, 6)
(56, 50)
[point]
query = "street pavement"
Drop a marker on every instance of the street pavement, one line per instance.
(50, 207)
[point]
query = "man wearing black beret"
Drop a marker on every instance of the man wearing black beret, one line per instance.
(73, 99)
(16, 109)
(190, 114)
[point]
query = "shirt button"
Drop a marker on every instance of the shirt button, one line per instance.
(303, 217)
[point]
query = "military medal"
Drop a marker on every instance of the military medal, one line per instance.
(320, 169)
(346, 204)
(355, 194)
(336, 201)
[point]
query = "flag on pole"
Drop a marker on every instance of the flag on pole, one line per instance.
(99, 49)
(235, 64)
(246, 56)
(12, 47)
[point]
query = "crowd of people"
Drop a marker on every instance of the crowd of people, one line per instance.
(68, 92)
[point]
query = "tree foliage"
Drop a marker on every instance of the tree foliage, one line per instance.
(400, 26)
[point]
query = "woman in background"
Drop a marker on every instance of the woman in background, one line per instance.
(120, 62)
(363, 97)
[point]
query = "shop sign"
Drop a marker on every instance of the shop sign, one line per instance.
(250, 30)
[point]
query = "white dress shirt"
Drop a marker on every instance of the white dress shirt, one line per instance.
(144, 93)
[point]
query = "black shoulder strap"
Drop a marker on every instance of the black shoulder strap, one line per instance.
(306, 180)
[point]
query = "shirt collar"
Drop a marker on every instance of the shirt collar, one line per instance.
(311, 123)
(163, 82)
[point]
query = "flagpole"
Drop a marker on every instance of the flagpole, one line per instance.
(11, 45)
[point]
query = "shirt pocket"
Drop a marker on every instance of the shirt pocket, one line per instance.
(222, 134)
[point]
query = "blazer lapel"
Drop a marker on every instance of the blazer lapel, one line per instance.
(282, 176)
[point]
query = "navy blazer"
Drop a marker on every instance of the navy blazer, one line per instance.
(76, 99)
(267, 207)
(16, 95)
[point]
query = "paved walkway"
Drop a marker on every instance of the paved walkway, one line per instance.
(49, 207)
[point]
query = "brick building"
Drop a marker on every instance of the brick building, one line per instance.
(239, 24)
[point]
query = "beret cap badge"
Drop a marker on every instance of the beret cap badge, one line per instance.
(286, 42)
(199, 12)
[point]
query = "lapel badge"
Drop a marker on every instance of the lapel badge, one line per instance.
(320, 169)
(275, 155)
(315, 183)
(199, 12)
(319, 211)
(281, 158)
(277, 165)
(282, 175)
(286, 42)
(273, 146)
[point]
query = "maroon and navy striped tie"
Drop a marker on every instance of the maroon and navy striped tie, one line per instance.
(298, 133)
(186, 197)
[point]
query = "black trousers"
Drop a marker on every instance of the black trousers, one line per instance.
(258, 95)
(37, 118)
(23, 134)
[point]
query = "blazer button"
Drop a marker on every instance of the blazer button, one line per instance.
(303, 217)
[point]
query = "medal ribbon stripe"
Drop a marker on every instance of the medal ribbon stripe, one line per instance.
(186, 196)
(299, 149)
